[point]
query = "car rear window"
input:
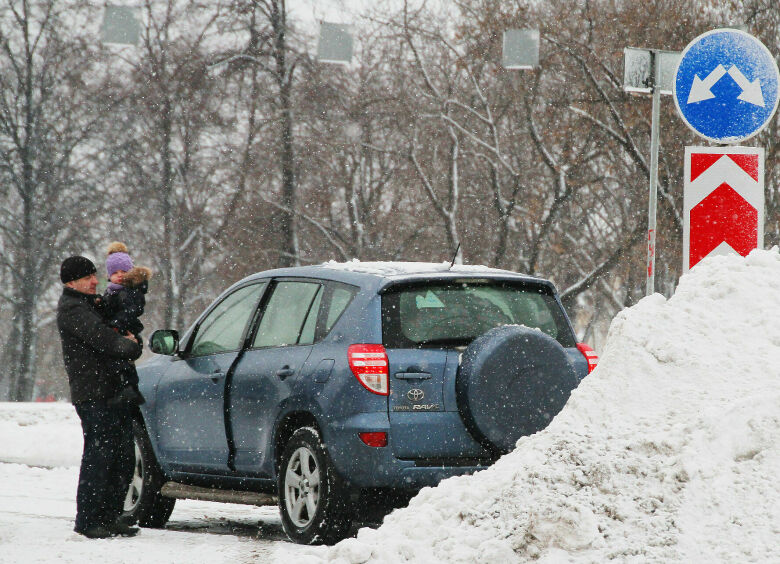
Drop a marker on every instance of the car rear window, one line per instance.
(454, 314)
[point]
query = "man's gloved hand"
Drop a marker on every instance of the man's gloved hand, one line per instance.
(129, 395)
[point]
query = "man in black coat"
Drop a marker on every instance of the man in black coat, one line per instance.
(88, 348)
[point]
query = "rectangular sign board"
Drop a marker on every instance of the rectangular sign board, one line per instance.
(638, 69)
(723, 202)
(335, 43)
(121, 25)
(520, 49)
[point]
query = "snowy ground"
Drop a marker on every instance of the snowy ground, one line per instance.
(40, 447)
(668, 452)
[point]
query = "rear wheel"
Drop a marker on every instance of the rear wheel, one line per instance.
(143, 503)
(313, 502)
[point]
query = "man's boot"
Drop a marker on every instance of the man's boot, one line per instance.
(95, 532)
(122, 529)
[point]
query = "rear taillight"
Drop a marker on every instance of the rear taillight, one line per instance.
(374, 438)
(590, 355)
(369, 365)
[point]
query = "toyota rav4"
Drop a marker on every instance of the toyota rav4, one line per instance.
(322, 388)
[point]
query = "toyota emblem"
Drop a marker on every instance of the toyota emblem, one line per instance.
(415, 394)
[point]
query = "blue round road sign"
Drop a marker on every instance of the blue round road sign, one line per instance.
(726, 86)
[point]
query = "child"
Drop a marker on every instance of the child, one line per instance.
(123, 304)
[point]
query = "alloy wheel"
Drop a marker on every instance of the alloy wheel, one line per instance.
(302, 487)
(133, 496)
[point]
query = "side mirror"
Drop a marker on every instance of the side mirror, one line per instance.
(164, 341)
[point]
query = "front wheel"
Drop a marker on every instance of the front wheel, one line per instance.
(143, 503)
(313, 502)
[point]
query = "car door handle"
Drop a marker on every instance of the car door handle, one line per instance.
(217, 374)
(284, 372)
(413, 375)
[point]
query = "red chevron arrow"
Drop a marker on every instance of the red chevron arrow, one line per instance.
(702, 161)
(723, 216)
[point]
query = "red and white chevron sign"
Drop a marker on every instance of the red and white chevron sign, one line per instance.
(723, 200)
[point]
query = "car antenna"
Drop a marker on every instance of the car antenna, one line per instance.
(454, 257)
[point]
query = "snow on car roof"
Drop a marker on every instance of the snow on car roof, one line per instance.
(390, 269)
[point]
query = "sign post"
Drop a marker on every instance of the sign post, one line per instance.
(726, 90)
(650, 71)
(653, 197)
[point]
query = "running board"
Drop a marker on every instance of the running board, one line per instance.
(182, 491)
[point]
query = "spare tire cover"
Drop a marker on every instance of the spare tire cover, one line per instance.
(511, 382)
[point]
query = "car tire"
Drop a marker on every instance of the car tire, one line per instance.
(313, 502)
(511, 382)
(144, 504)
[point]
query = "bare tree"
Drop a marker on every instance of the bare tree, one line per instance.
(168, 152)
(48, 116)
(267, 46)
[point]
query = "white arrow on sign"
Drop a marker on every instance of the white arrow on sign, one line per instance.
(751, 91)
(701, 88)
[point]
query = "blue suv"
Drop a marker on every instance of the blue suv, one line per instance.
(323, 388)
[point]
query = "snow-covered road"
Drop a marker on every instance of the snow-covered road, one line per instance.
(39, 454)
(37, 506)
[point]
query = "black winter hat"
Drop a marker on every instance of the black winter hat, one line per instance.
(76, 267)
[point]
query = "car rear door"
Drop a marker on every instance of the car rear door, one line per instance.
(268, 371)
(424, 425)
(426, 327)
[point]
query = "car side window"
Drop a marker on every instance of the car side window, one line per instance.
(285, 315)
(308, 334)
(340, 298)
(223, 328)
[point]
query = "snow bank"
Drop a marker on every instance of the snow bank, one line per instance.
(668, 452)
(40, 452)
(39, 434)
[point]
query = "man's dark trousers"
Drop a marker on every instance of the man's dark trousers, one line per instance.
(106, 464)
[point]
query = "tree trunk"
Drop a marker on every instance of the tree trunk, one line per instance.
(169, 236)
(290, 256)
(22, 381)
(283, 74)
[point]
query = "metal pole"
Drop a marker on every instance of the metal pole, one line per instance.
(651, 210)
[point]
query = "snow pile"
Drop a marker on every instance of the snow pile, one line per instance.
(668, 452)
(40, 434)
